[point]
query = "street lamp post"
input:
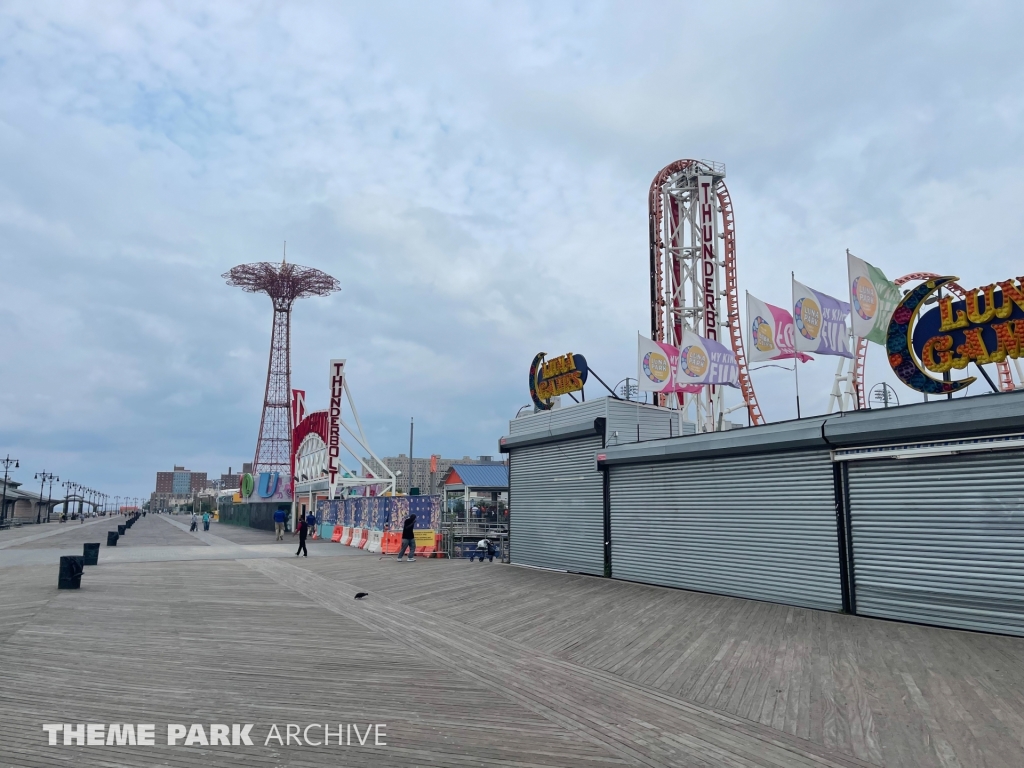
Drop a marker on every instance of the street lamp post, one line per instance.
(7, 466)
(70, 488)
(49, 495)
(42, 477)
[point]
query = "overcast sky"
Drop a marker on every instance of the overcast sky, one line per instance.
(476, 177)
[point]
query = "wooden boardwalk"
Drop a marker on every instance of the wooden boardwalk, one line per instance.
(473, 664)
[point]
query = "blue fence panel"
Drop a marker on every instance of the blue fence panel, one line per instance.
(362, 517)
(424, 509)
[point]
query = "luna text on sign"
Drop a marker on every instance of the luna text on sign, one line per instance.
(899, 346)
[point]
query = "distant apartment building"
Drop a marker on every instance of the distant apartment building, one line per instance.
(232, 479)
(421, 475)
(172, 487)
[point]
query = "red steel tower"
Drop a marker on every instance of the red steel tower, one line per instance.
(283, 283)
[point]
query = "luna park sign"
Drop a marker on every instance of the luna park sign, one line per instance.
(987, 326)
(557, 376)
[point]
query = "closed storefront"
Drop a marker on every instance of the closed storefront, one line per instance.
(555, 516)
(913, 513)
(556, 493)
(761, 528)
(939, 539)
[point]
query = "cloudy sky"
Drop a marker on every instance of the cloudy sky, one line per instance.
(474, 174)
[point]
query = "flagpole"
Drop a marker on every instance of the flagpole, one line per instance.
(796, 377)
(796, 354)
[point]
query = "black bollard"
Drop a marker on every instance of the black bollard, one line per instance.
(121, 529)
(112, 537)
(71, 567)
(91, 553)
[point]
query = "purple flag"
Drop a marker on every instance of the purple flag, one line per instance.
(820, 322)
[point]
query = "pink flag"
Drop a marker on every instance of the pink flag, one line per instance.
(770, 332)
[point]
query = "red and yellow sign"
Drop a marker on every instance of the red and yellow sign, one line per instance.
(987, 326)
(558, 376)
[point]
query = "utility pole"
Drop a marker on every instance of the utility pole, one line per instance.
(409, 488)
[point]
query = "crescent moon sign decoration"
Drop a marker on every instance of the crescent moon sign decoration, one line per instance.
(899, 348)
(535, 367)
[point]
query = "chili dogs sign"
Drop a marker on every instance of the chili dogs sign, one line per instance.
(987, 326)
(558, 376)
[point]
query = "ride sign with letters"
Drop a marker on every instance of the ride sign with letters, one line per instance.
(558, 376)
(985, 327)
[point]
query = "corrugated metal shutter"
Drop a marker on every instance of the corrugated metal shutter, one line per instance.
(556, 515)
(940, 540)
(762, 527)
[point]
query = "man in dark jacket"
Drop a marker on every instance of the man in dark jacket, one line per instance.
(302, 531)
(408, 539)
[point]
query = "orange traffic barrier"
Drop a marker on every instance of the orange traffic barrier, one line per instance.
(336, 536)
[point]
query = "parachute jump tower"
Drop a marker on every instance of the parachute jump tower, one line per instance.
(693, 274)
(283, 283)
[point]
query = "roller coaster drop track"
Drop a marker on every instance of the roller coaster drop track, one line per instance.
(667, 322)
(1005, 377)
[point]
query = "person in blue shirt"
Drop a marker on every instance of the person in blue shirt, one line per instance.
(311, 523)
(279, 518)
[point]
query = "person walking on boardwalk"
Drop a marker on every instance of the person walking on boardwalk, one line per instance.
(206, 521)
(302, 530)
(408, 539)
(279, 518)
(195, 522)
(311, 523)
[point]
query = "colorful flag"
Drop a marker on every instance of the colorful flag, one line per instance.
(873, 298)
(820, 322)
(704, 361)
(770, 332)
(656, 365)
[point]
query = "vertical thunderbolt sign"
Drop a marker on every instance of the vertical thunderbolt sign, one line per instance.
(334, 424)
(709, 267)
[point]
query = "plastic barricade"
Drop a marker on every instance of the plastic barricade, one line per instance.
(336, 534)
(346, 535)
(373, 542)
(325, 530)
(391, 542)
(428, 543)
(359, 537)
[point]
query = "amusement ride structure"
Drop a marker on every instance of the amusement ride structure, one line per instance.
(283, 283)
(693, 269)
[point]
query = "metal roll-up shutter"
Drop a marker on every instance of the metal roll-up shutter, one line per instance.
(556, 515)
(762, 527)
(940, 540)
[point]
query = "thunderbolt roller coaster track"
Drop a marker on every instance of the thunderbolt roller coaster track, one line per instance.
(731, 293)
(1005, 378)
